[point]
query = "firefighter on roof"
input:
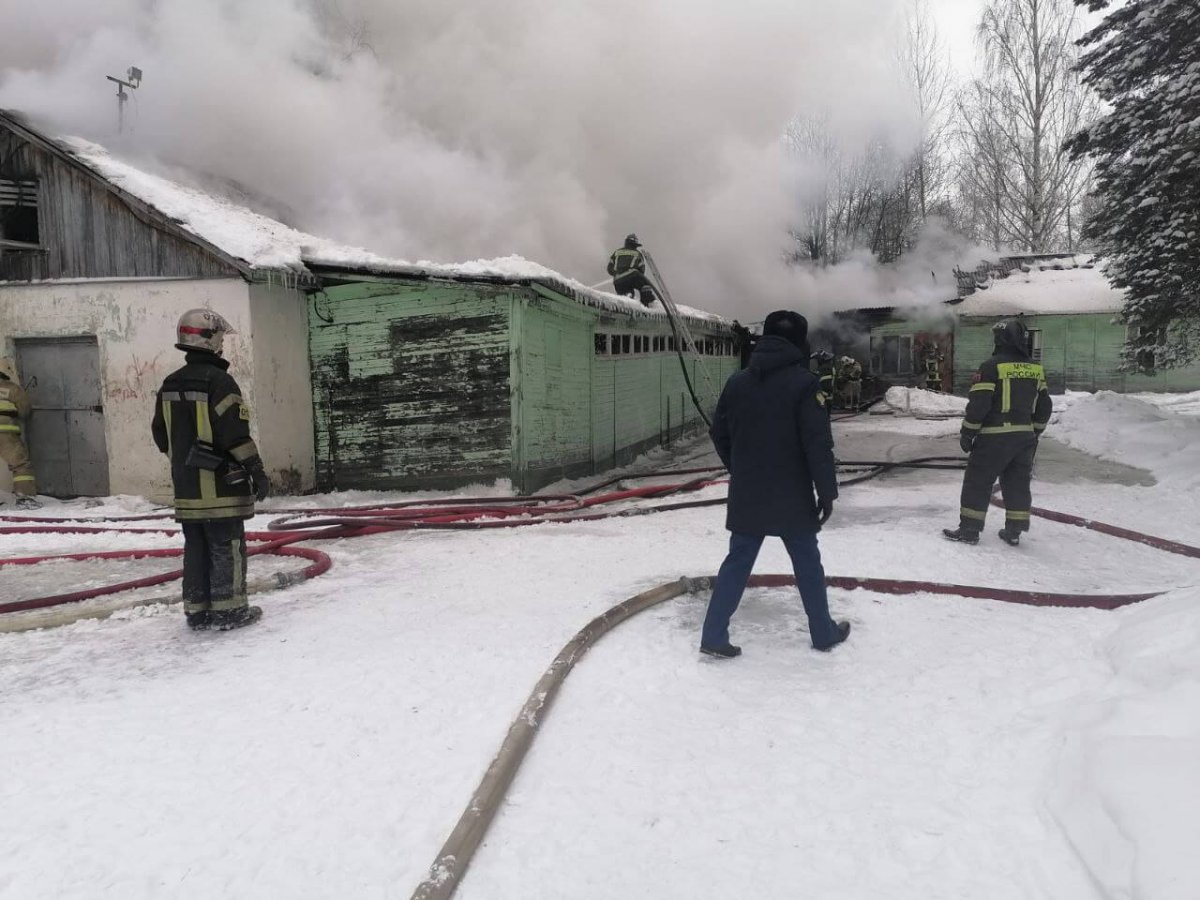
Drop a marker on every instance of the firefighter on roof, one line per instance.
(627, 266)
(202, 423)
(1008, 409)
(14, 411)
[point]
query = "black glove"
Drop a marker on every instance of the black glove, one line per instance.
(966, 440)
(825, 510)
(261, 483)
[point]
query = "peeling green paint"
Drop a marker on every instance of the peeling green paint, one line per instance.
(425, 383)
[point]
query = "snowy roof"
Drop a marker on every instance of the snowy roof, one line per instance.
(261, 242)
(1074, 284)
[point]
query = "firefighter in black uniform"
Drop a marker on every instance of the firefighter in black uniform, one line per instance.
(202, 423)
(1008, 409)
(826, 377)
(743, 342)
(627, 266)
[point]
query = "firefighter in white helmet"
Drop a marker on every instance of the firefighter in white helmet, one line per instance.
(14, 413)
(202, 423)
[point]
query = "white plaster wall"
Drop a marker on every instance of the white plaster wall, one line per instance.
(282, 403)
(134, 323)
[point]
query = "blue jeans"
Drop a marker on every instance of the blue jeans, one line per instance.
(735, 572)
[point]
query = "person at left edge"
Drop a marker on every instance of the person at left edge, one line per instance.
(202, 423)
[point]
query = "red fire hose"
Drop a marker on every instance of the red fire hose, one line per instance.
(508, 512)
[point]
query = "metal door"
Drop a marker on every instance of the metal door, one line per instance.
(65, 433)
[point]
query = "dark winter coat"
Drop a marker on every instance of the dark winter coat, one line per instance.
(772, 433)
(201, 403)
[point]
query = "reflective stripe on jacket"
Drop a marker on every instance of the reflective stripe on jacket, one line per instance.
(201, 403)
(626, 260)
(1008, 394)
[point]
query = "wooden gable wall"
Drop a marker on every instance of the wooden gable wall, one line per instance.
(89, 231)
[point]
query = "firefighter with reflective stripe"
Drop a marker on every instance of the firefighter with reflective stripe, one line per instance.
(826, 377)
(849, 376)
(14, 410)
(202, 423)
(1007, 411)
(627, 266)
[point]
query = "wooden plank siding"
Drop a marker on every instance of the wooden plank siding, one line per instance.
(410, 384)
(1080, 352)
(425, 383)
(88, 231)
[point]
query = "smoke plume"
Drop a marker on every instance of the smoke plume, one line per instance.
(452, 130)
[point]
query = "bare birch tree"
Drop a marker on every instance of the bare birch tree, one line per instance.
(925, 67)
(1017, 118)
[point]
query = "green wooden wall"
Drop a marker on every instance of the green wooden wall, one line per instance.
(428, 384)
(1080, 352)
(410, 384)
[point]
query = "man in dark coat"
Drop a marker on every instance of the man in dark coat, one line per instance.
(773, 434)
(1008, 409)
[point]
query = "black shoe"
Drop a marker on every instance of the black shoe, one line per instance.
(27, 502)
(199, 621)
(843, 633)
(962, 535)
(228, 619)
(729, 651)
(1012, 538)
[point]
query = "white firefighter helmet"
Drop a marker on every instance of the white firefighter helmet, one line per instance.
(7, 369)
(202, 329)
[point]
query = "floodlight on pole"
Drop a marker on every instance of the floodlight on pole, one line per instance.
(134, 76)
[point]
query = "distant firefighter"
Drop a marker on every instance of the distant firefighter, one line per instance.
(14, 412)
(627, 266)
(933, 368)
(826, 376)
(743, 342)
(849, 376)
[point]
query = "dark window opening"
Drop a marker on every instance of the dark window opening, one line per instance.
(19, 211)
(601, 341)
(625, 343)
(1034, 344)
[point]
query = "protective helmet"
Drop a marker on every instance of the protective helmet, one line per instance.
(631, 240)
(823, 356)
(1013, 334)
(202, 329)
(7, 369)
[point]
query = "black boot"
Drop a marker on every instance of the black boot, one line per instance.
(843, 633)
(962, 535)
(199, 621)
(1012, 538)
(228, 619)
(729, 651)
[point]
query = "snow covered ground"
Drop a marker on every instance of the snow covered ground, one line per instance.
(953, 748)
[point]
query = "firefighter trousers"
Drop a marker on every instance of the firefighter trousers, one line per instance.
(13, 452)
(214, 565)
(1009, 458)
(635, 284)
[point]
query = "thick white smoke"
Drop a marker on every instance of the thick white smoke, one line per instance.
(460, 129)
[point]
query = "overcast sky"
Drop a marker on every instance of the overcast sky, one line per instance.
(957, 20)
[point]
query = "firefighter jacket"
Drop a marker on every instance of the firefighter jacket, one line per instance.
(14, 406)
(200, 406)
(1008, 395)
(626, 260)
